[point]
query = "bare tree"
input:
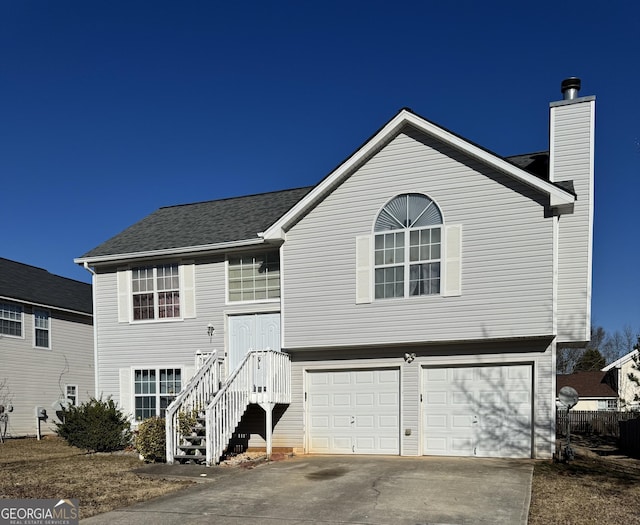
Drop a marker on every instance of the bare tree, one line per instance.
(568, 357)
(611, 347)
(5, 407)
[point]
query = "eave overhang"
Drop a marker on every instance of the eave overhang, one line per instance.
(169, 252)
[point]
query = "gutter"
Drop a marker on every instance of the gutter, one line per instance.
(202, 249)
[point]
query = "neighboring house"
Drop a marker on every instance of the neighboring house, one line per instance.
(597, 390)
(46, 344)
(627, 389)
(418, 292)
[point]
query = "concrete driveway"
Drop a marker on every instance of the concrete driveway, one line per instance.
(346, 489)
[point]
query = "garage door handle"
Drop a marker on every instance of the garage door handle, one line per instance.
(353, 419)
(475, 419)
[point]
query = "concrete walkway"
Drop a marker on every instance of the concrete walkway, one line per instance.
(345, 489)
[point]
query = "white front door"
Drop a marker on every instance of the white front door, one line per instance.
(477, 411)
(354, 411)
(251, 332)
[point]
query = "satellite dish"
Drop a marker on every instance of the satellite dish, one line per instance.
(568, 396)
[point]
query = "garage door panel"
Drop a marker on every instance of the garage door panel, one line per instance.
(388, 422)
(365, 400)
(389, 377)
(364, 377)
(478, 410)
(319, 400)
(436, 398)
(340, 378)
(341, 400)
(362, 414)
(365, 421)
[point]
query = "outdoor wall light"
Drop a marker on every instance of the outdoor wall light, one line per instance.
(210, 331)
(409, 357)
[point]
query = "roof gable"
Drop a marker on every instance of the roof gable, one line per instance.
(515, 167)
(622, 361)
(29, 284)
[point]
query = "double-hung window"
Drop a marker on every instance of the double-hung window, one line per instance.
(407, 247)
(72, 394)
(10, 319)
(254, 277)
(41, 328)
(154, 389)
(156, 292)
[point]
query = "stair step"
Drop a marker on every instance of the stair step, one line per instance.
(192, 447)
(186, 458)
(194, 438)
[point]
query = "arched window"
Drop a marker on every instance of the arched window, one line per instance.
(407, 249)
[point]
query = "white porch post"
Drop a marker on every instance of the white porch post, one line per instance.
(268, 410)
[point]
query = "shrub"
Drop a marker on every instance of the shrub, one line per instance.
(96, 425)
(186, 421)
(151, 439)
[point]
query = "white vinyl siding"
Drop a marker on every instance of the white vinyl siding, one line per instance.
(572, 137)
(162, 345)
(502, 288)
(33, 377)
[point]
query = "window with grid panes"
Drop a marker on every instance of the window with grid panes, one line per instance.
(11, 319)
(41, 327)
(407, 247)
(254, 277)
(156, 292)
(72, 394)
(154, 389)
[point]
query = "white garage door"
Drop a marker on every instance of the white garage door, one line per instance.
(354, 411)
(477, 411)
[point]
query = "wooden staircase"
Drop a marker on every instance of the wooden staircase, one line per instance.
(263, 377)
(194, 447)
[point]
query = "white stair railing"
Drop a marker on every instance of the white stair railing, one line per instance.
(264, 376)
(194, 397)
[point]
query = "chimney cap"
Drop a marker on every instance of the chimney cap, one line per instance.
(570, 87)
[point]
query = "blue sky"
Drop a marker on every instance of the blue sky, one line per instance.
(110, 110)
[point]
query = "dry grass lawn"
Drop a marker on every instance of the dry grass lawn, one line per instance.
(589, 490)
(52, 469)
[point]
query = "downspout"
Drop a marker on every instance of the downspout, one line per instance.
(95, 326)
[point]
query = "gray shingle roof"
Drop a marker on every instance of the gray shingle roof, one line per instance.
(538, 164)
(34, 285)
(202, 223)
(535, 163)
